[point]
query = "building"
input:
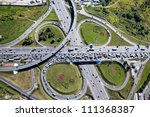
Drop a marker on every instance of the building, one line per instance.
(96, 2)
(88, 2)
(23, 2)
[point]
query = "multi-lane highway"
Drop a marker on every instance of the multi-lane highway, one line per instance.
(97, 88)
(76, 40)
(74, 53)
(62, 14)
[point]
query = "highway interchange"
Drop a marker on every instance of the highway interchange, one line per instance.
(76, 53)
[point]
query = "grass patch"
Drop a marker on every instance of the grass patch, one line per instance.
(11, 30)
(144, 75)
(78, 7)
(52, 16)
(64, 78)
(133, 39)
(6, 88)
(93, 33)
(80, 17)
(48, 39)
(88, 95)
(112, 72)
(116, 40)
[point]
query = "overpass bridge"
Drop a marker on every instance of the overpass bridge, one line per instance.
(74, 54)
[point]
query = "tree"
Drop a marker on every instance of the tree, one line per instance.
(41, 33)
(51, 35)
(48, 29)
(137, 17)
(129, 16)
(124, 15)
(105, 11)
(52, 42)
(27, 41)
(42, 38)
(59, 39)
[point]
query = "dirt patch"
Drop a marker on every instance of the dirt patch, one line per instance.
(61, 77)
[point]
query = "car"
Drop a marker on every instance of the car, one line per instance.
(53, 2)
(54, 94)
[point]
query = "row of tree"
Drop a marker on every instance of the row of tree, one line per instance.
(27, 41)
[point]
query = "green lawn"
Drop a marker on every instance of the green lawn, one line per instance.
(78, 7)
(14, 20)
(52, 16)
(93, 33)
(112, 72)
(64, 78)
(125, 92)
(134, 39)
(88, 95)
(10, 30)
(116, 40)
(57, 34)
(80, 17)
(144, 75)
